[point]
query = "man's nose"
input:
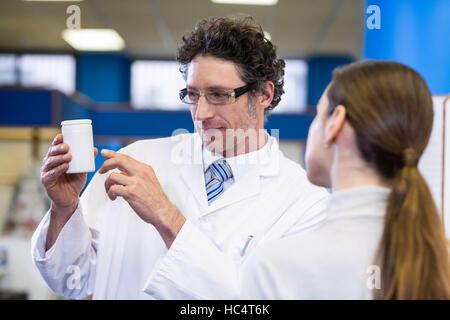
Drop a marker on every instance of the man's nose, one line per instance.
(204, 110)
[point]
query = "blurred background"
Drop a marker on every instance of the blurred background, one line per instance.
(113, 61)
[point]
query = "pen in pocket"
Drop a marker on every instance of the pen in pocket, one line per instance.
(250, 237)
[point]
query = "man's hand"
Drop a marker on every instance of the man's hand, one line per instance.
(62, 189)
(137, 184)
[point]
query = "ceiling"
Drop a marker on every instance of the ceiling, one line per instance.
(152, 28)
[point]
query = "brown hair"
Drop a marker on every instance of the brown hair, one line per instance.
(390, 108)
(242, 41)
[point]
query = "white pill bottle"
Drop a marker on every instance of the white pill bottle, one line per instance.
(78, 135)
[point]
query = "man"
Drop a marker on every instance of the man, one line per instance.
(177, 216)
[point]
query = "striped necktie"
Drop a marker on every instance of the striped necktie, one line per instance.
(217, 173)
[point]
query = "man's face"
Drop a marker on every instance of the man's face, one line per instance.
(217, 124)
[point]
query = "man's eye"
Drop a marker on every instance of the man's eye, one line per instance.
(193, 94)
(219, 95)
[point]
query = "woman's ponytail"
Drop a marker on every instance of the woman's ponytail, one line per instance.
(413, 253)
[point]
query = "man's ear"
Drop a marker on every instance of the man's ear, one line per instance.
(266, 97)
(334, 124)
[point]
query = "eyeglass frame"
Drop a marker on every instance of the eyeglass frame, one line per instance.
(235, 93)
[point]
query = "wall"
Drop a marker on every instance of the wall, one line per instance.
(416, 33)
(104, 77)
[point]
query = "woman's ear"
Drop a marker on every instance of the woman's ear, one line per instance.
(334, 124)
(266, 97)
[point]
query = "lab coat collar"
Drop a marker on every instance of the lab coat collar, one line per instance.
(247, 182)
(364, 201)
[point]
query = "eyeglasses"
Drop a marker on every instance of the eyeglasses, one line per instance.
(216, 96)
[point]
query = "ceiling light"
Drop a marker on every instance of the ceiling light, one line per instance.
(248, 2)
(94, 39)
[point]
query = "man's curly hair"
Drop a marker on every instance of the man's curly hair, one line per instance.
(242, 41)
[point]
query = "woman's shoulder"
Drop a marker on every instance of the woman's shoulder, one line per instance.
(331, 244)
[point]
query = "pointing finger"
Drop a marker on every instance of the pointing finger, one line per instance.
(121, 163)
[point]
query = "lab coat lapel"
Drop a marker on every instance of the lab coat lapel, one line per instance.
(244, 188)
(193, 177)
(191, 169)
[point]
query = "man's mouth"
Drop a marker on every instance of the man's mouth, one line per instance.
(204, 129)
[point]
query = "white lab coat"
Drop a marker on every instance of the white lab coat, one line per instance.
(333, 261)
(106, 250)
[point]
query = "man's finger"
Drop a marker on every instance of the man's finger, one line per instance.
(116, 178)
(117, 163)
(117, 160)
(58, 139)
(61, 148)
(55, 161)
(117, 190)
(53, 174)
(108, 153)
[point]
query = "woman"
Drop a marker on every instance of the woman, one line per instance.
(383, 237)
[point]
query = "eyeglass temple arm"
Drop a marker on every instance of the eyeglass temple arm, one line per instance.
(240, 91)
